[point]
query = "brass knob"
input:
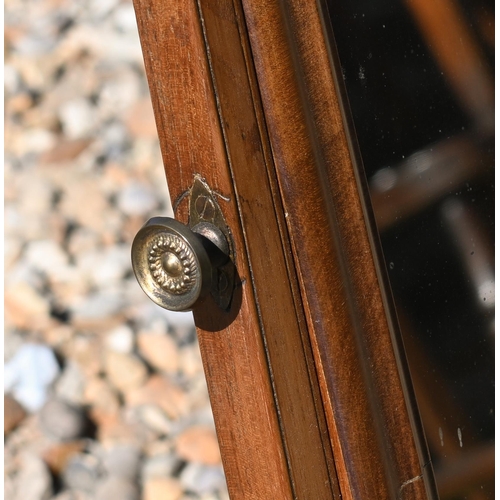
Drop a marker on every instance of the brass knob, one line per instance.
(175, 265)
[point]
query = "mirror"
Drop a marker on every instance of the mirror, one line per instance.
(419, 78)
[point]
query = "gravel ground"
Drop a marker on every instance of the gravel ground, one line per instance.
(105, 392)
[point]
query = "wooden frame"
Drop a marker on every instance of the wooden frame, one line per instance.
(306, 373)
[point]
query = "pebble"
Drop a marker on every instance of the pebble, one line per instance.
(82, 472)
(125, 371)
(160, 351)
(162, 465)
(137, 199)
(108, 266)
(65, 151)
(12, 341)
(86, 351)
(159, 391)
(120, 339)
(98, 309)
(102, 398)
(201, 479)
(155, 419)
(77, 118)
(62, 421)
(13, 414)
(184, 328)
(123, 461)
(140, 119)
(83, 171)
(70, 386)
(58, 455)
(80, 191)
(33, 481)
(117, 488)
(162, 488)
(25, 307)
(45, 256)
(198, 444)
(29, 374)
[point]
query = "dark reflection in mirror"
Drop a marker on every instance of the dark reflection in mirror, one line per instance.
(419, 77)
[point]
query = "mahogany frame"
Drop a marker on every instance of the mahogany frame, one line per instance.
(306, 373)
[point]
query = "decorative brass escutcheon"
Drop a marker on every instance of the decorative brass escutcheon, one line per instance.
(178, 265)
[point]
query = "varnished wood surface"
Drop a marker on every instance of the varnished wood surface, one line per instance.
(305, 372)
(261, 378)
(371, 412)
(233, 355)
(291, 366)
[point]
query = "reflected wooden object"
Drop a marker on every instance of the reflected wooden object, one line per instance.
(466, 471)
(450, 40)
(475, 250)
(424, 178)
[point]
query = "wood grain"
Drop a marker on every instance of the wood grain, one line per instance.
(306, 371)
(234, 356)
(374, 426)
(283, 328)
(258, 359)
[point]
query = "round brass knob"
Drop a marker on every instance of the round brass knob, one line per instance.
(172, 263)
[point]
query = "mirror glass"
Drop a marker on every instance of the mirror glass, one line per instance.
(419, 78)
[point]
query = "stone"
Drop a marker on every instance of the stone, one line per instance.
(120, 339)
(12, 251)
(159, 391)
(19, 103)
(198, 444)
(190, 360)
(125, 20)
(45, 255)
(118, 94)
(82, 472)
(123, 460)
(117, 488)
(125, 372)
(33, 481)
(12, 342)
(72, 495)
(86, 351)
(140, 119)
(65, 151)
(83, 240)
(107, 267)
(202, 479)
(35, 140)
(77, 118)
(100, 309)
(29, 374)
(154, 418)
(58, 455)
(162, 488)
(71, 384)
(136, 199)
(37, 195)
(57, 335)
(160, 351)
(114, 430)
(79, 190)
(25, 307)
(62, 421)
(102, 398)
(161, 465)
(13, 414)
(181, 324)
